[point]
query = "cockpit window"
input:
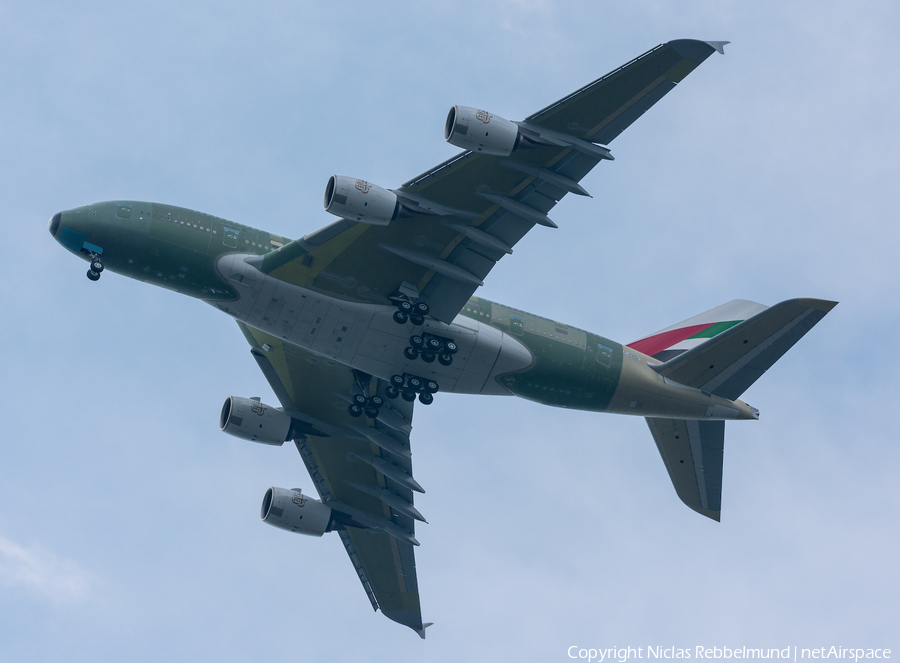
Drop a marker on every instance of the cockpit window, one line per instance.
(123, 211)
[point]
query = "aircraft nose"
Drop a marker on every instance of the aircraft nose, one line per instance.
(54, 223)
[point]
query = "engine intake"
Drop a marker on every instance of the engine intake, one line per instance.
(291, 510)
(480, 131)
(249, 419)
(359, 200)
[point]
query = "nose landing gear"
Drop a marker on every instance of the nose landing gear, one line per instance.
(96, 267)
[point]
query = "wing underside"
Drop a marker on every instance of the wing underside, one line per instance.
(462, 216)
(368, 485)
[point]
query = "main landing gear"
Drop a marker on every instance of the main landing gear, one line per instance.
(407, 386)
(430, 347)
(96, 267)
(362, 405)
(410, 312)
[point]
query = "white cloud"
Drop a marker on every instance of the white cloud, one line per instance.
(52, 577)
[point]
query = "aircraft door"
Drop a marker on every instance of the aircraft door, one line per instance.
(230, 237)
(516, 325)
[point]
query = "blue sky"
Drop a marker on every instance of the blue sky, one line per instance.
(129, 524)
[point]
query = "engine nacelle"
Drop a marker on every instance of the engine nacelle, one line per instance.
(359, 200)
(293, 511)
(480, 131)
(251, 420)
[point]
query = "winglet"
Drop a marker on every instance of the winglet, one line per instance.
(421, 631)
(719, 45)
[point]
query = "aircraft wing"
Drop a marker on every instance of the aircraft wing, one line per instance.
(369, 486)
(459, 218)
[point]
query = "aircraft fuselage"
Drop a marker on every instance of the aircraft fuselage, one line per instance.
(502, 350)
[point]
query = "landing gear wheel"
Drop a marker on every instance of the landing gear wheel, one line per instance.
(414, 383)
(397, 381)
(359, 399)
(426, 399)
(400, 317)
(376, 401)
(445, 359)
(410, 353)
(416, 341)
(93, 276)
(371, 412)
(408, 396)
(417, 320)
(391, 391)
(431, 387)
(451, 348)
(428, 357)
(421, 308)
(355, 410)
(404, 306)
(434, 344)
(96, 265)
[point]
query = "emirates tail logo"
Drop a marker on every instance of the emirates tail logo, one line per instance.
(363, 186)
(483, 116)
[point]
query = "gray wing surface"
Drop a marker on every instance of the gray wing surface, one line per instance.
(693, 453)
(370, 486)
(474, 207)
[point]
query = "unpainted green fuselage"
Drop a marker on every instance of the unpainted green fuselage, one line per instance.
(178, 249)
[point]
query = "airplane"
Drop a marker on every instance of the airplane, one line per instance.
(355, 322)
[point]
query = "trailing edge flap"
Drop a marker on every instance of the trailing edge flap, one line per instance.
(319, 390)
(729, 363)
(693, 452)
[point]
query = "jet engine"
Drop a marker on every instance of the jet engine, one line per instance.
(295, 512)
(359, 200)
(480, 131)
(249, 419)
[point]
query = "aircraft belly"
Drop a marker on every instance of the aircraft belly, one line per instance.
(365, 336)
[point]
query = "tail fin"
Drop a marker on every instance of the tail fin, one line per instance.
(688, 334)
(722, 351)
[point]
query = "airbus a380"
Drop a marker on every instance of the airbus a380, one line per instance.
(353, 323)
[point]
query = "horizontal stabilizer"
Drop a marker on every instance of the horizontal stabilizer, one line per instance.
(693, 452)
(728, 363)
